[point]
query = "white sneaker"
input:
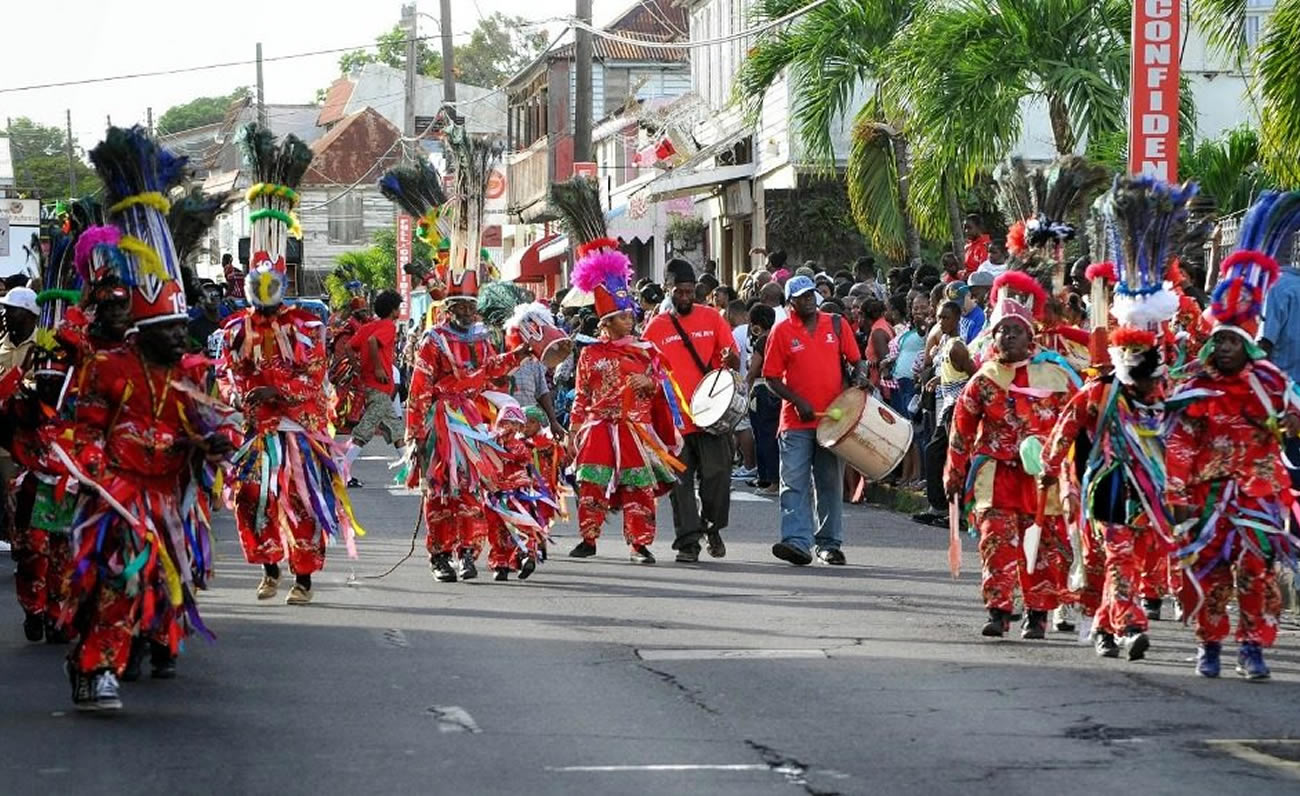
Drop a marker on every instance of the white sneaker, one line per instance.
(5, 547)
(103, 690)
(1065, 618)
(742, 473)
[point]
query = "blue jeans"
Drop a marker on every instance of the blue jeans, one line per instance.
(811, 477)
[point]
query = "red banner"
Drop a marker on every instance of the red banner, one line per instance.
(404, 257)
(1153, 89)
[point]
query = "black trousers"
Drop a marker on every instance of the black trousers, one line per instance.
(936, 455)
(708, 459)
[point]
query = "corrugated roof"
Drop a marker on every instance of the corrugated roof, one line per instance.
(336, 99)
(658, 21)
(359, 149)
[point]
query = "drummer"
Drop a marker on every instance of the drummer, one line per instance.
(695, 339)
(804, 365)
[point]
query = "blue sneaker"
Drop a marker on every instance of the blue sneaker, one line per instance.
(1250, 662)
(1207, 659)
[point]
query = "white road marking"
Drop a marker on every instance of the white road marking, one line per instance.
(453, 718)
(718, 654)
(401, 491)
(663, 767)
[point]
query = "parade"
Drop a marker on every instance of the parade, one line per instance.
(1050, 465)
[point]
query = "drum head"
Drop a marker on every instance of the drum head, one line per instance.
(850, 403)
(557, 352)
(712, 398)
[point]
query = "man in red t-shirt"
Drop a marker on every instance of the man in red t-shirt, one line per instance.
(977, 244)
(705, 455)
(376, 342)
(803, 365)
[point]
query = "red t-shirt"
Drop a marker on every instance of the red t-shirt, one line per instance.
(977, 251)
(710, 334)
(809, 364)
(385, 331)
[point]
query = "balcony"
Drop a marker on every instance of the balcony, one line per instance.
(529, 181)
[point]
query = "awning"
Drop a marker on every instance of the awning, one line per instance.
(536, 261)
(677, 183)
(619, 223)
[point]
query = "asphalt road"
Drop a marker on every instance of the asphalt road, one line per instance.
(740, 676)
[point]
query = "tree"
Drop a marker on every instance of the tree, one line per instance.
(1228, 169)
(1276, 75)
(198, 112)
(375, 267)
(828, 55)
(41, 161)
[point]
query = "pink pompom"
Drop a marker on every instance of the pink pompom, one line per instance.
(86, 243)
(601, 268)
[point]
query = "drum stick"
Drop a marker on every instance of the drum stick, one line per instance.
(834, 413)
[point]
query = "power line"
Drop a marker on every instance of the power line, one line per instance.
(574, 22)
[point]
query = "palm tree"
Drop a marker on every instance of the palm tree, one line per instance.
(1276, 79)
(1227, 168)
(964, 69)
(830, 53)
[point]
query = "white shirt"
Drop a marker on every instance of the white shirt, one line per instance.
(741, 334)
(990, 267)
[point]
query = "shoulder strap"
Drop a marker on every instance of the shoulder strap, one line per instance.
(686, 340)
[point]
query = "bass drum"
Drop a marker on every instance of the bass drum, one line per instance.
(869, 436)
(719, 403)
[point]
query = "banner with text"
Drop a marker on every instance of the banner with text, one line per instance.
(404, 228)
(1153, 89)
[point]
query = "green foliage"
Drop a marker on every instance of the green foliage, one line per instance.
(198, 112)
(41, 161)
(813, 222)
(1278, 76)
(1228, 168)
(498, 47)
(375, 267)
(872, 180)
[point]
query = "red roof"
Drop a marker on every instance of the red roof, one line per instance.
(336, 99)
(659, 21)
(358, 149)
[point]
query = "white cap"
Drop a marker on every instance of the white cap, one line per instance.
(24, 298)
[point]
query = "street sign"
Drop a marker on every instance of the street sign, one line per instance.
(585, 168)
(404, 227)
(1153, 89)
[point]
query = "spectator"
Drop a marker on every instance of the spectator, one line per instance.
(953, 367)
(996, 264)
(878, 332)
(722, 297)
(980, 283)
(906, 351)
(234, 277)
(772, 296)
(1281, 341)
(20, 314)
(530, 389)
(864, 271)
(776, 261)
(206, 318)
(977, 243)
(738, 318)
(951, 269)
(376, 342)
(972, 318)
(711, 268)
(825, 287)
(804, 365)
(764, 405)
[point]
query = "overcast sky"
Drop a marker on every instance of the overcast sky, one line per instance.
(47, 42)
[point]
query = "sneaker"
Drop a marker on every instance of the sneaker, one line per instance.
(527, 566)
(584, 549)
(771, 490)
(689, 555)
(501, 574)
(795, 555)
(268, 587)
(642, 555)
(928, 518)
(1063, 618)
(440, 565)
(1207, 659)
(742, 473)
(1152, 608)
(34, 626)
(1105, 645)
(298, 595)
(55, 634)
(997, 625)
(831, 555)
(1250, 662)
(103, 691)
(1136, 642)
(5, 547)
(81, 693)
(716, 547)
(355, 483)
(1035, 626)
(465, 565)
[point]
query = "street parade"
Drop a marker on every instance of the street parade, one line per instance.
(1027, 442)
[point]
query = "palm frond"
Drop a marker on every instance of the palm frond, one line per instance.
(1278, 80)
(872, 181)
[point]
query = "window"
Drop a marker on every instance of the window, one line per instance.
(1257, 14)
(346, 219)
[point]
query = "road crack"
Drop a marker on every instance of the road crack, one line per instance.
(692, 695)
(792, 770)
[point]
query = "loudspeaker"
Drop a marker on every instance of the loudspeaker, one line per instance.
(292, 254)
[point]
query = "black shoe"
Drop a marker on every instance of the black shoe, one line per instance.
(355, 483)
(833, 556)
(1105, 645)
(1015, 616)
(689, 555)
(443, 572)
(1136, 642)
(502, 574)
(541, 552)
(134, 660)
(527, 566)
(81, 696)
(792, 554)
(717, 548)
(927, 518)
(465, 565)
(1152, 608)
(55, 634)
(34, 627)
(997, 625)
(584, 549)
(162, 664)
(642, 555)
(1035, 626)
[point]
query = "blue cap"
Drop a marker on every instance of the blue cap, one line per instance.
(956, 291)
(797, 286)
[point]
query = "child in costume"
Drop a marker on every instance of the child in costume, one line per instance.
(520, 509)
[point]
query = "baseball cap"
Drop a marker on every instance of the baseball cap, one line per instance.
(980, 279)
(23, 298)
(956, 291)
(797, 286)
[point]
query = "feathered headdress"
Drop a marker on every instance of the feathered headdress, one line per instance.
(278, 169)
(1021, 287)
(601, 269)
(190, 218)
(496, 301)
(474, 161)
(1040, 208)
(1146, 222)
(1247, 274)
(138, 174)
(418, 191)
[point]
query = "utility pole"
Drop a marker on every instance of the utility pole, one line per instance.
(108, 121)
(72, 170)
(448, 54)
(261, 96)
(148, 119)
(410, 25)
(582, 57)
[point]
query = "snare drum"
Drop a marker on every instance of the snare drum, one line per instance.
(719, 402)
